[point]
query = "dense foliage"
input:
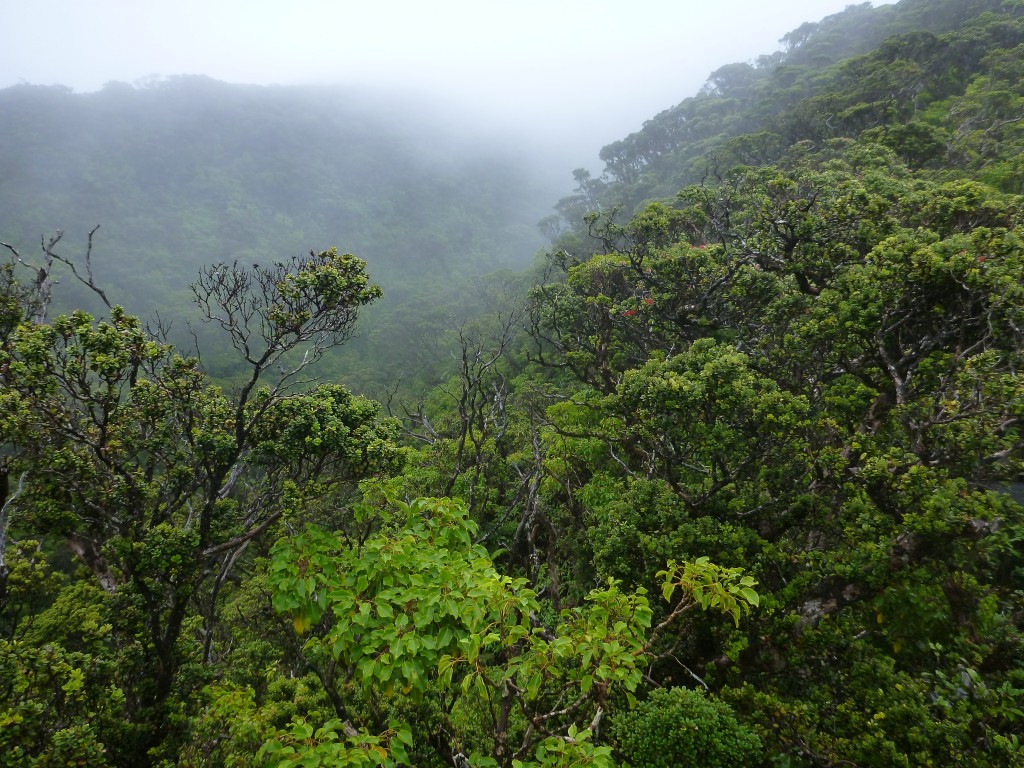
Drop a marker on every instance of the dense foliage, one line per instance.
(678, 726)
(735, 482)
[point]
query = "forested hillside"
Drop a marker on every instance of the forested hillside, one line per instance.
(733, 479)
(184, 171)
(933, 81)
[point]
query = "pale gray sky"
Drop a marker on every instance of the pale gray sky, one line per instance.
(563, 68)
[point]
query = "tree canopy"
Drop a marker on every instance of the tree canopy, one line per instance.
(732, 478)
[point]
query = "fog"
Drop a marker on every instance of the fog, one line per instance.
(564, 77)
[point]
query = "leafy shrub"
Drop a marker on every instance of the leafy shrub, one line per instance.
(678, 726)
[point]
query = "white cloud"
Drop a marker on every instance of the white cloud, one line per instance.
(563, 68)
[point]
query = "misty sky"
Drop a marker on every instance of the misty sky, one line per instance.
(580, 72)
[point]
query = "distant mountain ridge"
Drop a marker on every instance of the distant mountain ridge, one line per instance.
(189, 170)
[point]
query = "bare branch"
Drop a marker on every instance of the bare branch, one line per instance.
(5, 512)
(87, 280)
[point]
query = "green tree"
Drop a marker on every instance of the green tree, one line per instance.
(807, 369)
(159, 482)
(419, 609)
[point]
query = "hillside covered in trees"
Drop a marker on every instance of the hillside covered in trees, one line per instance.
(732, 478)
(185, 171)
